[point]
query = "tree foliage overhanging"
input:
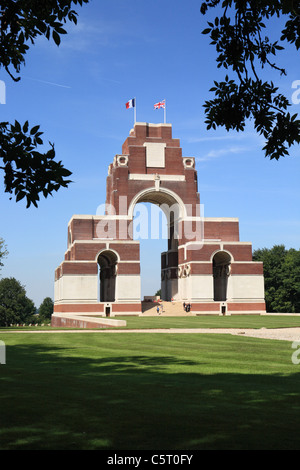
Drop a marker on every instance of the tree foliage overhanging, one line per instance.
(29, 172)
(238, 34)
(282, 278)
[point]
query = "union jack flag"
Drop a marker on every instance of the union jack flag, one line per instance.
(160, 104)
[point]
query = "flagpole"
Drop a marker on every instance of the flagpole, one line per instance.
(165, 111)
(134, 110)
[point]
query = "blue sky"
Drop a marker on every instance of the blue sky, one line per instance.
(77, 93)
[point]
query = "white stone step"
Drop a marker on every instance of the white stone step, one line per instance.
(171, 309)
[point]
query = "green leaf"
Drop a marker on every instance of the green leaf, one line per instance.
(20, 196)
(56, 37)
(60, 30)
(17, 126)
(25, 127)
(34, 130)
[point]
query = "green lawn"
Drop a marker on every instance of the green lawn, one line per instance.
(202, 321)
(209, 321)
(147, 392)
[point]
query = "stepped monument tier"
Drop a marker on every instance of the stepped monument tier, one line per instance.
(205, 263)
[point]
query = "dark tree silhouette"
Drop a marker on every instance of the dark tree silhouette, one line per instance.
(238, 34)
(29, 172)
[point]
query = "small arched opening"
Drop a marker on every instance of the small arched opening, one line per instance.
(107, 261)
(221, 272)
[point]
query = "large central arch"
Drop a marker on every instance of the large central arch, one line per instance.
(164, 198)
(174, 209)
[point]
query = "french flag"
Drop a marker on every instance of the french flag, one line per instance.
(130, 104)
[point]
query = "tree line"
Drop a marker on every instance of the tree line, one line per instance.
(16, 308)
(282, 278)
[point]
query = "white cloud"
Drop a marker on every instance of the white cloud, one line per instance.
(47, 83)
(87, 37)
(223, 151)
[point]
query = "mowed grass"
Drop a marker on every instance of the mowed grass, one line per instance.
(141, 391)
(201, 321)
(212, 321)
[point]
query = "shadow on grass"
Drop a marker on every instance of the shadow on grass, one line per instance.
(69, 398)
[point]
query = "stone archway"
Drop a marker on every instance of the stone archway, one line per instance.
(221, 272)
(174, 210)
(107, 262)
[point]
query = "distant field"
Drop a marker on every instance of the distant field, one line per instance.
(150, 391)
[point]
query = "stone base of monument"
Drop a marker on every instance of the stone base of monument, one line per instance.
(77, 321)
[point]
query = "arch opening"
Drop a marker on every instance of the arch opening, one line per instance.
(107, 262)
(221, 271)
(158, 234)
(169, 202)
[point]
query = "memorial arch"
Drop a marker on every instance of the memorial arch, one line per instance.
(205, 263)
(174, 211)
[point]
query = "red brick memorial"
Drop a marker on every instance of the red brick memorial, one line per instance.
(205, 264)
